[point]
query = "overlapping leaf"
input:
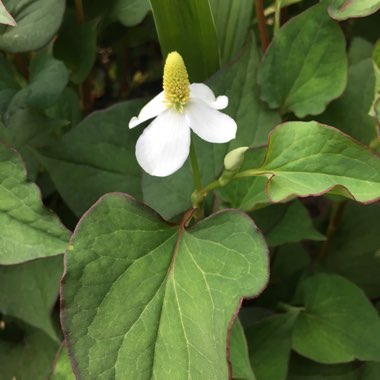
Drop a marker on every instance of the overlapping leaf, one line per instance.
(344, 9)
(29, 231)
(148, 299)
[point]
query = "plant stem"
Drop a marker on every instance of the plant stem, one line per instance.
(335, 218)
(277, 16)
(195, 167)
(79, 12)
(286, 307)
(262, 24)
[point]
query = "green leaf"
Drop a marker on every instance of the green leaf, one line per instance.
(5, 17)
(25, 352)
(247, 193)
(354, 250)
(171, 195)
(305, 66)
(360, 49)
(344, 9)
(301, 368)
(339, 324)
(370, 371)
(187, 26)
(76, 46)
(96, 157)
(48, 78)
(129, 12)
(30, 290)
(241, 367)
(135, 286)
(29, 231)
(270, 343)
(286, 223)
(37, 22)
(62, 368)
(308, 158)
(8, 83)
(349, 113)
(26, 130)
(232, 22)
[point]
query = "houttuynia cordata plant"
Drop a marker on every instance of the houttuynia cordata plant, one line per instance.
(189, 189)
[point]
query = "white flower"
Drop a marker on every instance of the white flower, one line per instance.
(164, 145)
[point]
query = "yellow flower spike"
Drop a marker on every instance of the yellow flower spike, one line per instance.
(176, 82)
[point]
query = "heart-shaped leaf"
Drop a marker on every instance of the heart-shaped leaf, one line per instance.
(305, 66)
(153, 300)
(344, 9)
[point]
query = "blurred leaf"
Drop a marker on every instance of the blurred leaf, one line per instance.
(292, 77)
(344, 9)
(339, 323)
(5, 17)
(354, 250)
(307, 158)
(285, 223)
(232, 21)
(129, 12)
(301, 368)
(76, 46)
(62, 368)
(30, 290)
(270, 343)
(183, 285)
(25, 352)
(8, 84)
(26, 130)
(349, 113)
(241, 367)
(187, 26)
(360, 49)
(48, 78)
(37, 22)
(29, 230)
(96, 157)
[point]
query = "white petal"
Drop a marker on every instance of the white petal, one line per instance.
(164, 145)
(208, 123)
(150, 110)
(203, 92)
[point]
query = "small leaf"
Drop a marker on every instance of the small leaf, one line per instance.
(339, 323)
(241, 367)
(305, 66)
(30, 290)
(37, 22)
(187, 26)
(344, 9)
(308, 158)
(48, 78)
(285, 223)
(5, 17)
(25, 352)
(270, 343)
(61, 367)
(96, 157)
(29, 231)
(135, 286)
(129, 12)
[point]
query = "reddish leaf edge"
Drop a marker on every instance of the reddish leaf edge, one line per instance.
(337, 186)
(186, 216)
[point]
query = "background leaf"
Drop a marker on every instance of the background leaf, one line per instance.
(37, 21)
(5, 17)
(187, 26)
(305, 66)
(30, 290)
(338, 325)
(344, 9)
(182, 287)
(29, 231)
(62, 368)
